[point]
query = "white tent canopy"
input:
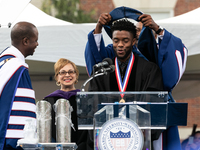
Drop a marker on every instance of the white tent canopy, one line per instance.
(12, 11)
(190, 18)
(57, 38)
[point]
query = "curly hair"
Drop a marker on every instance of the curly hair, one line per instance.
(124, 24)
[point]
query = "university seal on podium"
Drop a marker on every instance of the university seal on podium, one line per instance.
(120, 134)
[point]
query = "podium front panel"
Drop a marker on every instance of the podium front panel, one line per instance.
(88, 103)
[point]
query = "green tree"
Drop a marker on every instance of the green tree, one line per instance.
(67, 10)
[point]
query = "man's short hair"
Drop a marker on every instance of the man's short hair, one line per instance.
(124, 24)
(21, 30)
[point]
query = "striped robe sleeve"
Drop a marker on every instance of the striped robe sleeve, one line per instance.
(17, 102)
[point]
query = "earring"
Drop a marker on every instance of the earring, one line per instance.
(76, 81)
(58, 83)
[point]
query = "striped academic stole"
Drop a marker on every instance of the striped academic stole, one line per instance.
(23, 109)
(123, 85)
(20, 101)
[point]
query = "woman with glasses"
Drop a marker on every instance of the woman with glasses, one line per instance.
(66, 76)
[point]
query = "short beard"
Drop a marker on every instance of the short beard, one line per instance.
(125, 56)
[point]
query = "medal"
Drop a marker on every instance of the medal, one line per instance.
(122, 101)
(123, 84)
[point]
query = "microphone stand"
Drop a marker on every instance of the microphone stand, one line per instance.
(102, 71)
(93, 76)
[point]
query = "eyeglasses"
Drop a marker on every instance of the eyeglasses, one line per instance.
(63, 73)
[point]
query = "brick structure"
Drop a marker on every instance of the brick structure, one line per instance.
(183, 6)
(101, 6)
(193, 111)
(98, 6)
(192, 117)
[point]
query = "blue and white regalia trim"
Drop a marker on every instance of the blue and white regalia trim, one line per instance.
(17, 98)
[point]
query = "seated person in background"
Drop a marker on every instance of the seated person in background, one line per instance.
(192, 143)
(185, 145)
(196, 142)
(66, 76)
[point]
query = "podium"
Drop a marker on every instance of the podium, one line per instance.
(127, 125)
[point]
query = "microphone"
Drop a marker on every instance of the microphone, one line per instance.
(110, 69)
(105, 63)
(100, 72)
